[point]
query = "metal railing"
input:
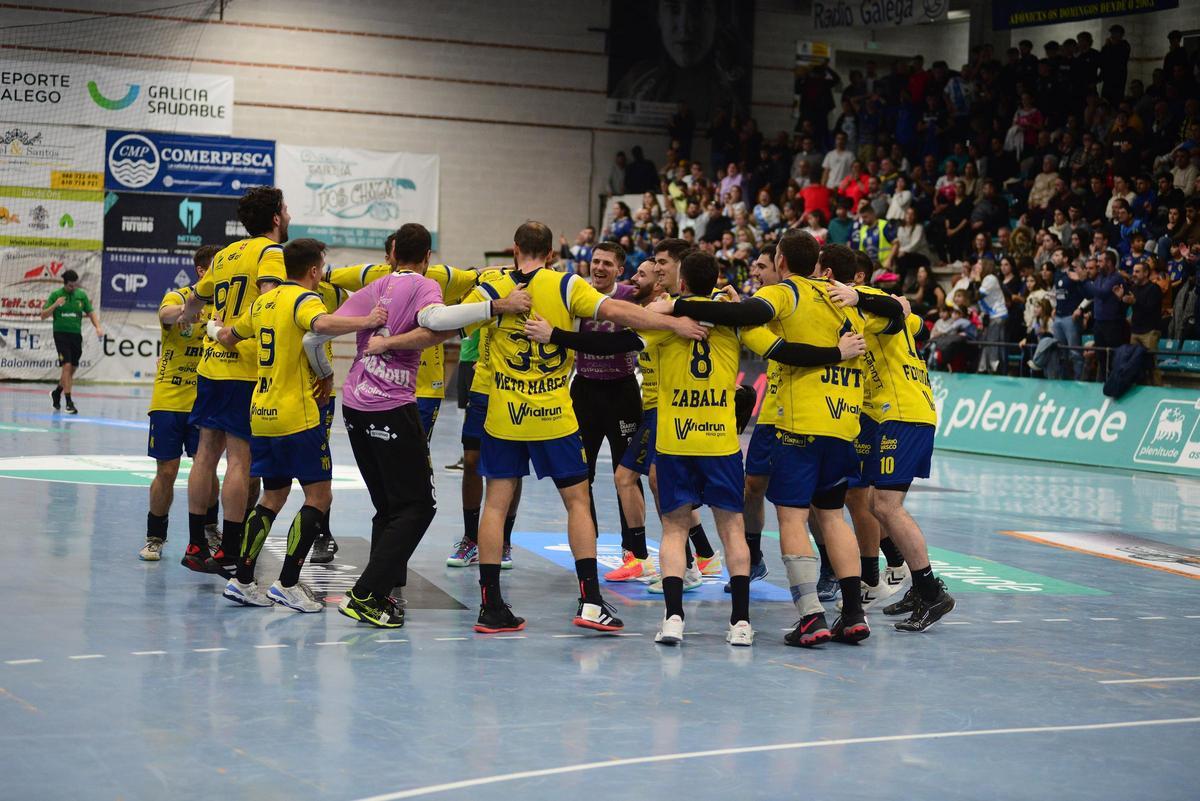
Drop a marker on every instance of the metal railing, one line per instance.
(1022, 354)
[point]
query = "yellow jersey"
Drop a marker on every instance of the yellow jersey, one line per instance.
(333, 297)
(283, 397)
(455, 284)
(897, 380)
(356, 276)
(182, 347)
(530, 397)
(647, 360)
(231, 283)
(481, 381)
(769, 410)
(818, 401)
(697, 381)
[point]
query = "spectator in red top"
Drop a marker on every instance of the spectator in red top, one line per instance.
(855, 185)
(918, 79)
(816, 197)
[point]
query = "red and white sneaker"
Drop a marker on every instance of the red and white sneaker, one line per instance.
(633, 569)
(711, 566)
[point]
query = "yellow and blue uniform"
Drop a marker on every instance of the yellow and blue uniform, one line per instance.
(817, 407)
(481, 381)
(289, 433)
(762, 439)
(174, 391)
(227, 375)
(332, 296)
(639, 456)
(530, 416)
(898, 409)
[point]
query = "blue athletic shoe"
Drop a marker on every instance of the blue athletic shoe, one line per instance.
(757, 573)
(506, 562)
(828, 588)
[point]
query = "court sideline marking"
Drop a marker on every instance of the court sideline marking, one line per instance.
(757, 749)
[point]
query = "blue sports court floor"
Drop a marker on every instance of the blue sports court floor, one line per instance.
(1060, 675)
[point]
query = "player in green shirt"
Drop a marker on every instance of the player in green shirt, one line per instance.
(68, 306)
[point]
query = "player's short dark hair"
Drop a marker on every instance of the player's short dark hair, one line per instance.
(69, 276)
(840, 261)
(863, 264)
(411, 244)
(301, 255)
(534, 239)
(258, 207)
(768, 251)
(205, 254)
(613, 248)
(674, 247)
(799, 250)
(699, 270)
(387, 245)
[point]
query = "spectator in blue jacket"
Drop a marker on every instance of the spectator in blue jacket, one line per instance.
(1070, 290)
(1108, 312)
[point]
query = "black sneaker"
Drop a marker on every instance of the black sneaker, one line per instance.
(196, 558)
(810, 631)
(71, 406)
(905, 605)
(600, 616)
(386, 615)
(828, 588)
(928, 612)
(497, 619)
(56, 398)
(850, 630)
(221, 565)
(323, 550)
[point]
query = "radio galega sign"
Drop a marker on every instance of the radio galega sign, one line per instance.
(104, 97)
(184, 164)
(831, 14)
(356, 198)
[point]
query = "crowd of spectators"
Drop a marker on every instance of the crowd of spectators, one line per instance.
(1061, 199)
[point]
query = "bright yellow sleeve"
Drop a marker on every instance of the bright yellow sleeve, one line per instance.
(914, 324)
(758, 339)
(583, 299)
(455, 283)
(652, 339)
(270, 265)
(308, 308)
(204, 287)
(243, 326)
(781, 296)
(356, 276)
(484, 291)
(172, 298)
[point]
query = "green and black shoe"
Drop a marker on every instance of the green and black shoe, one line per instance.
(384, 615)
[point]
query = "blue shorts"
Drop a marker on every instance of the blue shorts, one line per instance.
(806, 465)
(223, 406)
(639, 455)
(715, 481)
(328, 412)
(171, 435)
(903, 451)
(472, 429)
(865, 445)
(762, 445)
(561, 459)
(303, 456)
(428, 409)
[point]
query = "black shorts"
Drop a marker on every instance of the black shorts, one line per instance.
(69, 347)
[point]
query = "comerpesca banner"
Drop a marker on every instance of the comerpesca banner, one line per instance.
(1147, 428)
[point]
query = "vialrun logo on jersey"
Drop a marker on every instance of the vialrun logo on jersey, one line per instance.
(517, 412)
(689, 426)
(133, 161)
(836, 410)
(1170, 435)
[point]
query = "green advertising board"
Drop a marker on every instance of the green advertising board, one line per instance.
(1147, 428)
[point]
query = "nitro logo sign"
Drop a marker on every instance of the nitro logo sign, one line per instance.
(1170, 435)
(876, 13)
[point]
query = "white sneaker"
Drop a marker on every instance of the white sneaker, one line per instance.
(246, 594)
(298, 597)
(671, 631)
(894, 579)
(152, 551)
(693, 579)
(740, 633)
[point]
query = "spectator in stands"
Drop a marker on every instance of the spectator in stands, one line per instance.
(1144, 297)
(840, 225)
(622, 222)
(616, 175)
(923, 292)
(873, 236)
(1108, 311)
(640, 175)
(1114, 65)
(836, 165)
(912, 249)
(578, 257)
(993, 306)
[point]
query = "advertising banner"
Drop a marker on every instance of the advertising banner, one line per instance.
(51, 218)
(829, 15)
(106, 97)
(149, 242)
(356, 198)
(1148, 428)
(28, 276)
(51, 157)
(127, 353)
(183, 164)
(1023, 13)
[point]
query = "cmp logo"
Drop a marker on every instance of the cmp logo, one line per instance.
(113, 105)
(133, 161)
(1168, 438)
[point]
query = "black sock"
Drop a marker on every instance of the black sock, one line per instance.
(509, 522)
(926, 584)
(739, 588)
(489, 585)
(754, 540)
(231, 536)
(851, 600)
(196, 531)
(255, 529)
(471, 524)
(699, 539)
(210, 517)
(687, 549)
(307, 525)
(637, 542)
(58, 388)
(673, 595)
(156, 526)
(891, 552)
(589, 582)
(67, 395)
(826, 568)
(326, 531)
(870, 569)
